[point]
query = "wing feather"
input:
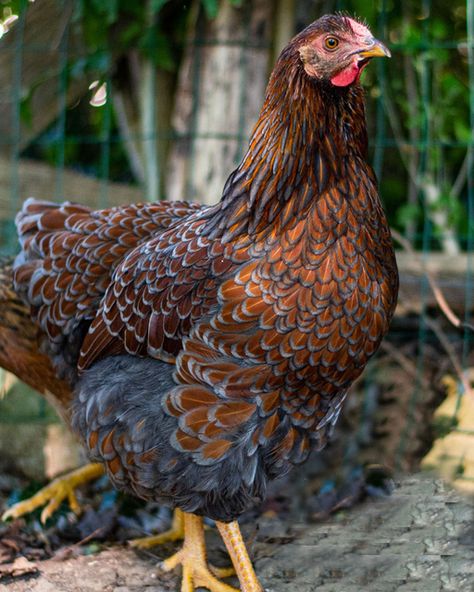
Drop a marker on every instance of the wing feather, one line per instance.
(69, 253)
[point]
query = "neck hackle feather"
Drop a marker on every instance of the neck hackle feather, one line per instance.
(306, 134)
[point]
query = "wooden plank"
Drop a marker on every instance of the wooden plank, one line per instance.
(41, 180)
(33, 56)
(450, 272)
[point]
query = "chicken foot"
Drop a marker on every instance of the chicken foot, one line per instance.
(63, 488)
(192, 557)
(174, 533)
(56, 492)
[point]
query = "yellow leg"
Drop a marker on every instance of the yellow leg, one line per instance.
(237, 550)
(56, 492)
(175, 533)
(196, 571)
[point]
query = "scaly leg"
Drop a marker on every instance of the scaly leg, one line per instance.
(237, 550)
(56, 492)
(192, 558)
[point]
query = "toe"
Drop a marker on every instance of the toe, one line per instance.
(222, 572)
(207, 580)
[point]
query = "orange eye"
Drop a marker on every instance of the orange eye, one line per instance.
(331, 43)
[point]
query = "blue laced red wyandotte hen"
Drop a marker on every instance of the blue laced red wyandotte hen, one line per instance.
(210, 348)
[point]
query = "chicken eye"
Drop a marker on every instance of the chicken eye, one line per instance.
(331, 43)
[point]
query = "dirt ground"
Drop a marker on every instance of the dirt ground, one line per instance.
(419, 539)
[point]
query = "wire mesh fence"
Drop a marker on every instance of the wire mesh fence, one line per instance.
(162, 108)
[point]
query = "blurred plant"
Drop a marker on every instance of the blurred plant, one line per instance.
(428, 108)
(151, 37)
(8, 16)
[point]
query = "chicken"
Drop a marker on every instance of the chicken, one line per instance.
(210, 349)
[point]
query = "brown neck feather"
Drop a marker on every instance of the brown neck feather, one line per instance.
(307, 134)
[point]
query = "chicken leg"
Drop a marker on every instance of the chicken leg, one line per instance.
(192, 557)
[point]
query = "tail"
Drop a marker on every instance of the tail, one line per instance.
(20, 352)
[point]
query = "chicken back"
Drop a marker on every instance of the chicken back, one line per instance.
(211, 348)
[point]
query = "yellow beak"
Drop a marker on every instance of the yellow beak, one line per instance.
(376, 50)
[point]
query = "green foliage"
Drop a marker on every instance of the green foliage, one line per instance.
(211, 7)
(428, 92)
(156, 28)
(367, 11)
(78, 147)
(421, 98)
(125, 25)
(13, 6)
(26, 109)
(408, 213)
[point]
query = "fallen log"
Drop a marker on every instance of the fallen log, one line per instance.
(451, 274)
(45, 182)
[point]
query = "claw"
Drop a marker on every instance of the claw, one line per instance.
(55, 493)
(222, 572)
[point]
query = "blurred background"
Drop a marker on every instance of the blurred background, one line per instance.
(107, 102)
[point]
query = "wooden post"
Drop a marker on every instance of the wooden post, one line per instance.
(220, 91)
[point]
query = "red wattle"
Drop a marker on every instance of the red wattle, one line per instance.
(348, 76)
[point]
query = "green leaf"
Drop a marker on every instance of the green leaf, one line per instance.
(112, 11)
(92, 549)
(155, 45)
(462, 130)
(131, 34)
(408, 213)
(157, 5)
(26, 111)
(211, 7)
(439, 29)
(97, 62)
(16, 6)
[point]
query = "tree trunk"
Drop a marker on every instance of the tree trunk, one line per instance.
(220, 91)
(143, 98)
